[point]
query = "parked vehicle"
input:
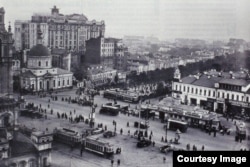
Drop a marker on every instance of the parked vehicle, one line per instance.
(108, 134)
(166, 148)
(97, 131)
(30, 113)
(142, 125)
(143, 143)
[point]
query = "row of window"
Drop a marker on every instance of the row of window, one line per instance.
(210, 93)
(39, 63)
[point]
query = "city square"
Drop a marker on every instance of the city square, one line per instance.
(119, 83)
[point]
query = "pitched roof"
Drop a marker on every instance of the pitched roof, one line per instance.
(28, 74)
(22, 145)
(237, 82)
(188, 79)
(206, 81)
(62, 71)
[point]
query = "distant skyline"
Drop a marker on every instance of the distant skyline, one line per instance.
(165, 19)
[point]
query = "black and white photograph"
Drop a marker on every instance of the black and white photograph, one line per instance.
(124, 83)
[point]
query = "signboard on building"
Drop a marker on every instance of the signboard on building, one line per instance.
(239, 103)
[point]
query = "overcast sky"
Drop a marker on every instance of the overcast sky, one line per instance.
(166, 19)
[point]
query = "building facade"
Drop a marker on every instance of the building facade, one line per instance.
(216, 91)
(100, 75)
(16, 150)
(6, 43)
(106, 51)
(40, 75)
(59, 31)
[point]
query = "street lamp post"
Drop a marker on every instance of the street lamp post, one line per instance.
(166, 135)
(92, 122)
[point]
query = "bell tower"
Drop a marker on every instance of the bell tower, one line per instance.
(6, 42)
(2, 12)
(177, 74)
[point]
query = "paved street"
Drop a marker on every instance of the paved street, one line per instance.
(130, 156)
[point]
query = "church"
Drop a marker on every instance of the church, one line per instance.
(39, 75)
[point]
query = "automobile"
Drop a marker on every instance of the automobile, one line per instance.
(108, 134)
(97, 131)
(142, 125)
(166, 148)
(143, 143)
(135, 112)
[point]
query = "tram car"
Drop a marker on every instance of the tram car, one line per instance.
(67, 136)
(98, 146)
(110, 109)
(122, 95)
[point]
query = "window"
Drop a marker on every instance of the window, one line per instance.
(232, 97)
(184, 88)
(247, 100)
(196, 91)
(205, 92)
(63, 82)
(188, 89)
(176, 87)
(200, 91)
(223, 95)
(237, 97)
(68, 81)
(227, 95)
(39, 63)
(192, 90)
(54, 83)
(218, 94)
(47, 63)
(58, 83)
(213, 93)
(209, 93)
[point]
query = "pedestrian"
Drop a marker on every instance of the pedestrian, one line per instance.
(151, 133)
(202, 148)
(128, 132)
(118, 162)
(164, 159)
(81, 151)
(150, 137)
(121, 131)
(112, 162)
(162, 138)
(51, 111)
(153, 143)
(127, 124)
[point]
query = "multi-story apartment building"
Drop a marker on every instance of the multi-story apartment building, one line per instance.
(106, 51)
(59, 31)
(216, 91)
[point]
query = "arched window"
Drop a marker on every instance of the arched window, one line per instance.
(39, 63)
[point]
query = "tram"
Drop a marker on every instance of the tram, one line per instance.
(98, 146)
(176, 124)
(110, 109)
(122, 95)
(67, 136)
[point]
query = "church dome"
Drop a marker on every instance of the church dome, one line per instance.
(39, 50)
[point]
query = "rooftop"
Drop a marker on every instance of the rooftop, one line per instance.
(39, 50)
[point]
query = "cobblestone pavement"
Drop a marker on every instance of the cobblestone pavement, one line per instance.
(131, 156)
